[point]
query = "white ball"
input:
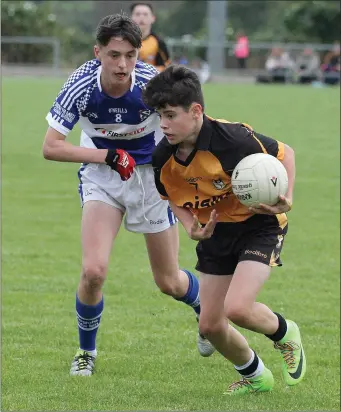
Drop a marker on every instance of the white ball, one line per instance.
(259, 178)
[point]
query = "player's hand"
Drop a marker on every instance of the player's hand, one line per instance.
(283, 205)
(120, 161)
(201, 233)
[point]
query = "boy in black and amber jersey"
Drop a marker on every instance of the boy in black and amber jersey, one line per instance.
(237, 246)
(153, 50)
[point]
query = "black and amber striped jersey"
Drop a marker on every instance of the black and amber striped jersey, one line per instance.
(203, 181)
(154, 51)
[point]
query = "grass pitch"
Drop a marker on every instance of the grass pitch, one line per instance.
(147, 341)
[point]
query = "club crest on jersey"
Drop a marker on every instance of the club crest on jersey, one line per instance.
(91, 115)
(219, 184)
(144, 114)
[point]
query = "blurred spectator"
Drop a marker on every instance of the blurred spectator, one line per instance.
(154, 50)
(307, 66)
(181, 59)
(202, 70)
(331, 65)
(279, 67)
(241, 49)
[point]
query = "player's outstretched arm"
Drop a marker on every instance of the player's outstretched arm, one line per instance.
(191, 223)
(197, 232)
(56, 148)
(289, 164)
(184, 216)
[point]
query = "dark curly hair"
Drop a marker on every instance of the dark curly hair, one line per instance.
(177, 85)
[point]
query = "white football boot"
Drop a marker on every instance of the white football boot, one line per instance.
(204, 346)
(83, 364)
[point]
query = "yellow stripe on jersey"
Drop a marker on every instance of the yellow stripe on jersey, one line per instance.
(280, 154)
(260, 143)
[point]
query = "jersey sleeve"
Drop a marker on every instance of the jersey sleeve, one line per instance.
(159, 186)
(64, 113)
(253, 142)
(159, 158)
(162, 58)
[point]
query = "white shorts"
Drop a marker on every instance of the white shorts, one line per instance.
(137, 198)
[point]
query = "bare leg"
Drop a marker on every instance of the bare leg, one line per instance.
(240, 303)
(163, 256)
(100, 225)
(226, 339)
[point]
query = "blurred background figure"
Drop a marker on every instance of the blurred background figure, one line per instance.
(331, 65)
(279, 67)
(241, 49)
(173, 29)
(154, 50)
(307, 66)
(182, 59)
(202, 69)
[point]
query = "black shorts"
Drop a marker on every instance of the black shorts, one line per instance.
(259, 238)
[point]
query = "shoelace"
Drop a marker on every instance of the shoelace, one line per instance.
(287, 350)
(238, 384)
(83, 361)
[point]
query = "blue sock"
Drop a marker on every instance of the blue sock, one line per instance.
(192, 296)
(88, 318)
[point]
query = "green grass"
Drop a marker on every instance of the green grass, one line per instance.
(147, 341)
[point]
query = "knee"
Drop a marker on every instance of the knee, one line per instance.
(210, 327)
(93, 275)
(168, 283)
(238, 314)
(167, 286)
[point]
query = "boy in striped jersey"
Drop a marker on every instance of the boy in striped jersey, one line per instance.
(119, 134)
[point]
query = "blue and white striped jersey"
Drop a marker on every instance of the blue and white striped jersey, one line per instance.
(106, 122)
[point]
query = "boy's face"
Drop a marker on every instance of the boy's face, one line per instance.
(118, 60)
(143, 16)
(178, 124)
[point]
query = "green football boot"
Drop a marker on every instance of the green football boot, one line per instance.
(293, 358)
(261, 383)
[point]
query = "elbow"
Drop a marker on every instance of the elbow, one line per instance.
(289, 151)
(289, 155)
(47, 152)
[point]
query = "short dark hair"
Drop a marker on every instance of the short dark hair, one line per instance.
(132, 6)
(177, 85)
(118, 25)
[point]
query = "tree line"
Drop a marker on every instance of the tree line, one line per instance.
(74, 22)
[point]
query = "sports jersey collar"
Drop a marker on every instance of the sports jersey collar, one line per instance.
(205, 134)
(132, 80)
(99, 71)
